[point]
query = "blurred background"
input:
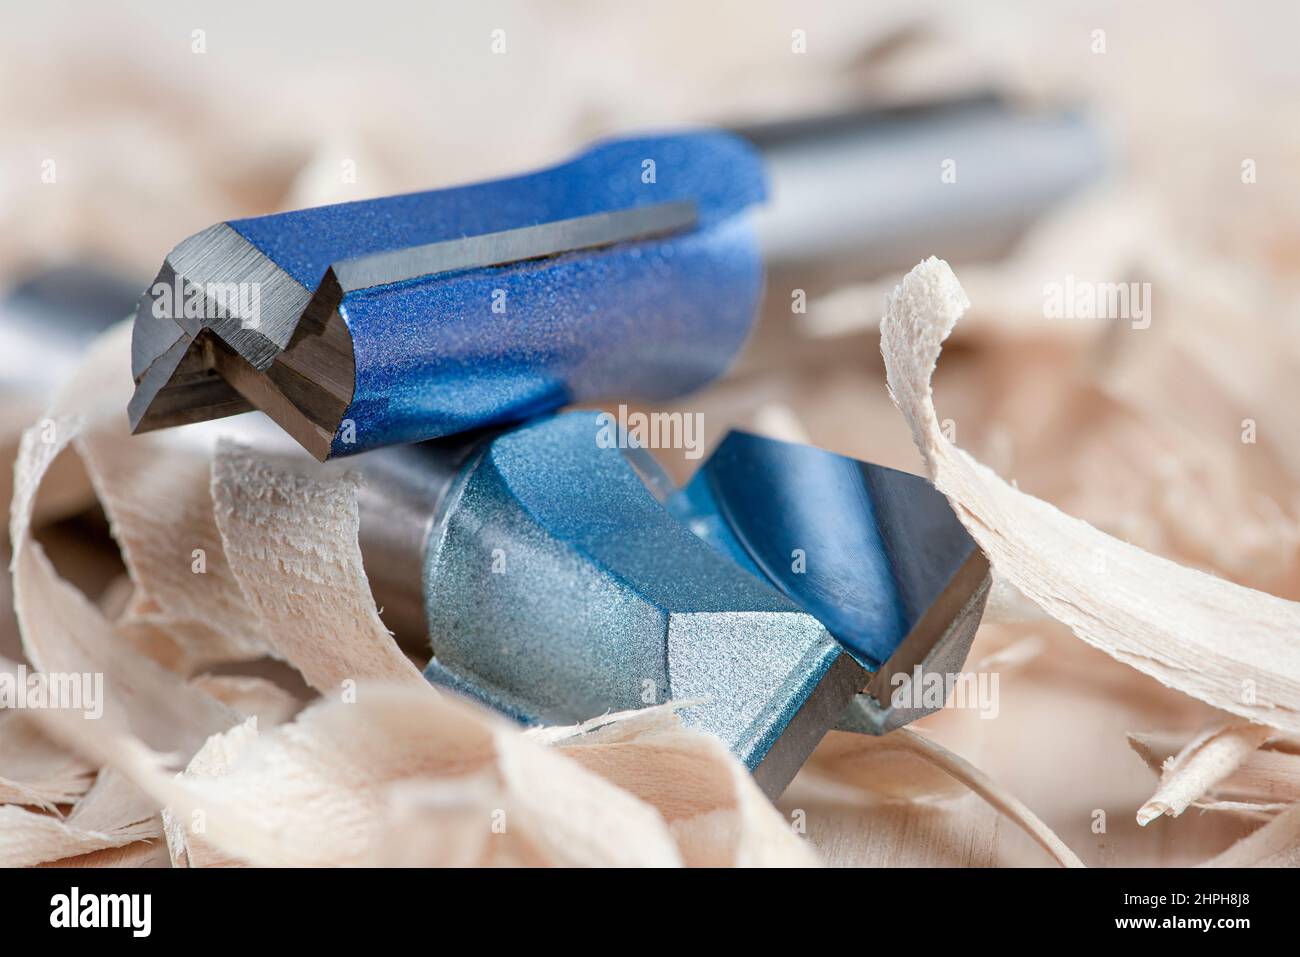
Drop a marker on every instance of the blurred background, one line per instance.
(129, 128)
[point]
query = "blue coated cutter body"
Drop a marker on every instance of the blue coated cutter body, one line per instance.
(632, 269)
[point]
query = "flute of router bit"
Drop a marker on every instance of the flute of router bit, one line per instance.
(635, 269)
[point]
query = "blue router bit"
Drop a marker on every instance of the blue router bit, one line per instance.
(635, 269)
(783, 592)
(394, 320)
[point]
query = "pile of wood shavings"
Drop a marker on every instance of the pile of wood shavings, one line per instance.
(1165, 736)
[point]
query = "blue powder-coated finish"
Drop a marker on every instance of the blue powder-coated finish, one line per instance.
(865, 549)
(556, 594)
(651, 319)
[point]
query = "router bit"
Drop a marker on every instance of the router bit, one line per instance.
(558, 575)
(784, 591)
(635, 269)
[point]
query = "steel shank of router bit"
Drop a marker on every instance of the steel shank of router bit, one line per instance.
(557, 594)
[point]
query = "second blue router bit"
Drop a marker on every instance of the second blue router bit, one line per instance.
(780, 594)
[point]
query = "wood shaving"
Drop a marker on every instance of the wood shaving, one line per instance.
(1229, 646)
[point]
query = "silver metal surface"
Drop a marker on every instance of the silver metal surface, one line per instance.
(855, 195)
(833, 697)
(515, 245)
(937, 646)
(402, 491)
(171, 353)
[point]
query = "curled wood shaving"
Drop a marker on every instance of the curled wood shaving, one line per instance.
(34, 771)
(714, 810)
(996, 795)
(1264, 780)
(289, 535)
(1230, 646)
(1276, 844)
(1205, 761)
